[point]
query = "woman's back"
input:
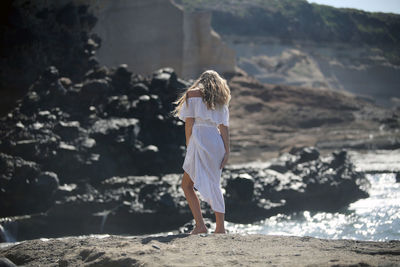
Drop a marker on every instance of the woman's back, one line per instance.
(195, 107)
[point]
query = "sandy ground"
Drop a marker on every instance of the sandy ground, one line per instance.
(202, 250)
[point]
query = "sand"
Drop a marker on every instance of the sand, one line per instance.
(202, 250)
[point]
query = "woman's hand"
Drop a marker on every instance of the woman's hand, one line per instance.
(224, 160)
(188, 129)
(225, 138)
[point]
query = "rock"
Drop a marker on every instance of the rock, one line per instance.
(91, 92)
(280, 167)
(69, 130)
(46, 184)
(93, 62)
(111, 129)
(339, 158)
(50, 75)
(24, 188)
(305, 154)
(309, 185)
(95, 88)
(65, 82)
(147, 107)
(4, 262)
(97, 73)
(150, 204)
(162, 82)
(121, 78)
(161, 79)
(240, 188)
(118, 106)
(137, 90)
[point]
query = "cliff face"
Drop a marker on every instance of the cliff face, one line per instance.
(148, 35)
(203, 48)
(297, 43)
(361, 70)
(270, 119)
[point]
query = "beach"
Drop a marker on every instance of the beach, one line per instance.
(202, 250)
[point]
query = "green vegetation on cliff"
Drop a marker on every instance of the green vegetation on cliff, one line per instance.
(300, 20)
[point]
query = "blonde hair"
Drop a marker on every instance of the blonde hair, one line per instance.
(214, 90)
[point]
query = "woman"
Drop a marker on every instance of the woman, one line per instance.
(204, 109)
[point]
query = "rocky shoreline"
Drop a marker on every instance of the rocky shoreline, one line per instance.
(200, 250)
(104, 155)
(300, 180)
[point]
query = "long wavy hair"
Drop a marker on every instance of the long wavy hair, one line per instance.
(214, 90)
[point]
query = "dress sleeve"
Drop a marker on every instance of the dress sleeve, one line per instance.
(195, 108)
(225, 115)
(187, 111)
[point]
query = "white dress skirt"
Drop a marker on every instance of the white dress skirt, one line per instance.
(205, 150)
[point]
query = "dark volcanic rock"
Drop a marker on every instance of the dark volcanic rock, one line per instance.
(84, 133)
(149, 204)
(35, 35)
(305, 154)
(240, 188)
(303, 181)
(23, 187)
(119, 205)
(4, 262)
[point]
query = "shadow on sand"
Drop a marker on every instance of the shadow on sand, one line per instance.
(163, 239)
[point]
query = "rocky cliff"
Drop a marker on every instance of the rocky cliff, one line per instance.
(75, 35)
(148, 35)
(270, 119)
(297, 43)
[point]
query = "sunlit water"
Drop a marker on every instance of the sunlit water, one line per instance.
(375, 218)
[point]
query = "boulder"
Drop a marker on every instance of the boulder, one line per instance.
(137, 90)
(305, 153)
(121, 78)
(4, 262)
(321, 184)
(95, 89)
(240, 188)
(24, 188)
(100, 72)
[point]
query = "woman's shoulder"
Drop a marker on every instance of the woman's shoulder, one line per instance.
(194, 93)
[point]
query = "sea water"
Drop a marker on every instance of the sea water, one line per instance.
(376, 218)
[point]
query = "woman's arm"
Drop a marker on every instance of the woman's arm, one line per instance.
(225, 137)
(188, 129)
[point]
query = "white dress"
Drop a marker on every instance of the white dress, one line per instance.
(205, 150)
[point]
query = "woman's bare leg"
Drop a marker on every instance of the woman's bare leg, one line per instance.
(220, 223)
(194, 204)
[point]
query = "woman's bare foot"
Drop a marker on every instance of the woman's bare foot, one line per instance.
(199, 230)
(219, 231)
